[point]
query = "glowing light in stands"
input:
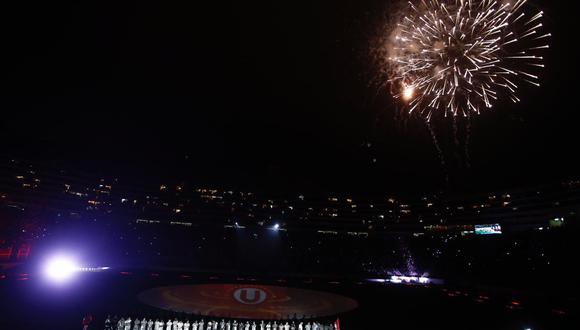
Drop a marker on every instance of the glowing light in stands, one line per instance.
(91, 269)
(410, 279)
(514, 305)
(396, 279)
(60, 269)
(23, 252)
(558, 312)
(377, 280)
(5, 253)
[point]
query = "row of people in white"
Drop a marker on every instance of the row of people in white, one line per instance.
(144, 324)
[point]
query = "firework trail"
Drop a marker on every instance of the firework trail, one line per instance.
(467, 137)
(458, 57)
(439, 150)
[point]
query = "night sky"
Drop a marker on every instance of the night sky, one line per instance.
(272, 95)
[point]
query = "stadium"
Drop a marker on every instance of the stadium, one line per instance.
(289, 165)
(296, 258)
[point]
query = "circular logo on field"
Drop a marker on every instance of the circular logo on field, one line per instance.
(250, 296)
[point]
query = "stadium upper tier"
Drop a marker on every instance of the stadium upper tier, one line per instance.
(182, 227)
(30, 191)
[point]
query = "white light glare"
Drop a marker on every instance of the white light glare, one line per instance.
(60, 269)
(409, 279)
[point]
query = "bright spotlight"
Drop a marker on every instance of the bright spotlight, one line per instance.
(60, 269)
(276, 227)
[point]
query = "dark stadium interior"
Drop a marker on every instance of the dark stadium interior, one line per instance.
(249, 145)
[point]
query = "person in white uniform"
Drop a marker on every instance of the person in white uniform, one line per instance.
(108, 323)
(121, 324)
(186, 325)
(168, 325)
(136, 324)
(128, 323)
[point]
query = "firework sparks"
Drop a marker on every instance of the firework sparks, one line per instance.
(458, 57)
(408, 93)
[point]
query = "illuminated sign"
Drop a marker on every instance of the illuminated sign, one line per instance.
(493, 229)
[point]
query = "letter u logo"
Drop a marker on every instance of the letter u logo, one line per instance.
(250, 296)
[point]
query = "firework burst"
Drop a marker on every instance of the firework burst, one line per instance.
(458, 57)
